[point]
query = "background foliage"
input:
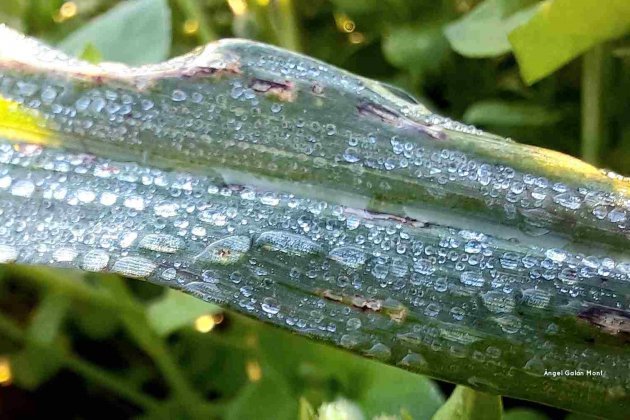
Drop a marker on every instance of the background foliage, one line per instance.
(551, 73)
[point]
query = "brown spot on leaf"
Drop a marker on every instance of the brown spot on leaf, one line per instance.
(317, 89)
(381, 112)
(283, 91)
(328, 294)
(609, 320)
(366, 304)
(204, 71)
(396, 312)
(389, 116)
(374, 215)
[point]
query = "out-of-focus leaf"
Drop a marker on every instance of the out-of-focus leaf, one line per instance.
(468, 404)
(523, 414)
(12, 12)
(562, 30)
(95, 322)
(306, 410)
(393, 391)
(31, 366)
(91, 54)
(133, 32)
(340, 409)
(174, 310)
(34, 366)
(48, 318)
(418, 49)
(579, 416)
(483, 32)
(376, 387)
(268, 398)
(358, 7)
(517, 114)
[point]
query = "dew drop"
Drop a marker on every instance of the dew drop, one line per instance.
(270, 305)
(472, 278)
(413, 360)
(134, 267)
(23, 188)
(178, 95)
(536, 298)
(349, 256)
(161, 243)
(289, 243)
(351, 155)
(65, 254)
(95, 260)
(225, 251)
(498, 302)
(379, 351)
(8, 254)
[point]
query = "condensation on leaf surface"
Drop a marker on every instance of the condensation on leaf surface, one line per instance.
(395, 292)
(250, 108)
(435, 298)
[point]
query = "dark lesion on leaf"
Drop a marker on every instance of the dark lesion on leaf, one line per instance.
(209, 71)
(381, 112)
(609, 320)
(391, 117)
(317, 89)
(375, 215)
(396, 312)
(282, 91)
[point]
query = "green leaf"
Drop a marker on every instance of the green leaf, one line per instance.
(523, 414)
(340, 409)
(95, 322)
(12, 12)
(562, 30)
(306, 410)
(518, 114)
(133, 32)
(33, 367)
(417, 49)
(376, 387)
(483, 32)
(174, 310)
(579, 416)
(394, 391)
(358, 7)
(268, 398)
(468, 404)
(91, 54)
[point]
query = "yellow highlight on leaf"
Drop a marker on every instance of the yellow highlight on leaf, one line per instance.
(205, 323)
(21, 124)
(239, 7)
(191, 26)
(560, 163)
(5, 371)
(254, 372)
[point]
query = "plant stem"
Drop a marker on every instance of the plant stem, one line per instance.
(82, 367)
(138, 327)
(192, 10)
(594, 131)
(285, 24)
(68, 284)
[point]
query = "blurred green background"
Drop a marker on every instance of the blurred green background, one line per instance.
(83, 346)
